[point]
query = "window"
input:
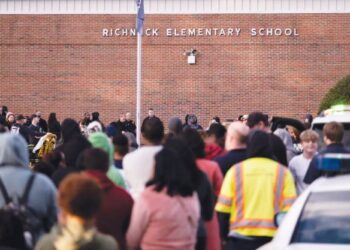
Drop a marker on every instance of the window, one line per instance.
(325, 219)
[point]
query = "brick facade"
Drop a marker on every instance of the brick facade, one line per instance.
(63, 63)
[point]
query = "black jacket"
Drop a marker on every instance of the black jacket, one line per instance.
(130, 126)
(231, 158)
(313, 172)
(55, 128)
(43, 124)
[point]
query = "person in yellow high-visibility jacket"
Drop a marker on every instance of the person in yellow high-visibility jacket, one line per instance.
(253, 191)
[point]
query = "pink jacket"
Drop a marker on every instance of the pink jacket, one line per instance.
(161, 222)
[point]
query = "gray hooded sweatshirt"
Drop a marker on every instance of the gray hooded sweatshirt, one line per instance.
(284, 135)
(14, 173)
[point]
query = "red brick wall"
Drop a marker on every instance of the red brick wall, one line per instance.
(62, 63)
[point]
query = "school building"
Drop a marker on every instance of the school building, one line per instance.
(207, 57)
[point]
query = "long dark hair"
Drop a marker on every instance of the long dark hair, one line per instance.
(186, 156)
(52, 118)
(172, 174)
(69, 128)
(194, 141)
(259, 145)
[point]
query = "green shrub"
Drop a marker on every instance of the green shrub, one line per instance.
(339, 94)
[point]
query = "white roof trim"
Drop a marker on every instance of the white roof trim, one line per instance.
(173, 6)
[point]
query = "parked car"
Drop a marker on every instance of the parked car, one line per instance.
(281, 122)
(320, 218)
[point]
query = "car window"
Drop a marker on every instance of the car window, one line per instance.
(325, 219)
(346, 138)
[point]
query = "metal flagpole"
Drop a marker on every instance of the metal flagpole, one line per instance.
(139, 28)
(138, 88)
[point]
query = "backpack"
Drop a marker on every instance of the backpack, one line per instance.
(18, 206)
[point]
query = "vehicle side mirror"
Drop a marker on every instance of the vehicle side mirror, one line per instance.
(278, 218)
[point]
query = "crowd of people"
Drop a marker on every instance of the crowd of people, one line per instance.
(88, 185)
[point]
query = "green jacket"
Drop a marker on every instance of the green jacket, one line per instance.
(100, 140)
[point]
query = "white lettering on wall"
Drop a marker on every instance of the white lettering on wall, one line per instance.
(205, 32)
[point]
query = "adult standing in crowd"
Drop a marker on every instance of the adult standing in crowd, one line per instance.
(15, 176)
(150, 114)
(86, 119)
(333, 133)
(10, 120)
(139, 165)
(121, 123)
(129, 124)
(166, 214)
(84, 123)
(253, 191)
(54, 126)
(114, 215)
(21, 129)
(300, 163)
(36, 130)
(95, 116)
(236, 146)
(192, 122)
(258, 120)
(80, 199)
(42, 122)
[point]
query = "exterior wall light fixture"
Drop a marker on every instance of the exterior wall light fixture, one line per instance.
(191, 55)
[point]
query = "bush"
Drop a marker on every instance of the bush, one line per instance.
(339, 94)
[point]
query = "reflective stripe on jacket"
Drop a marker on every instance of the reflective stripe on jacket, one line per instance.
(253, 191)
